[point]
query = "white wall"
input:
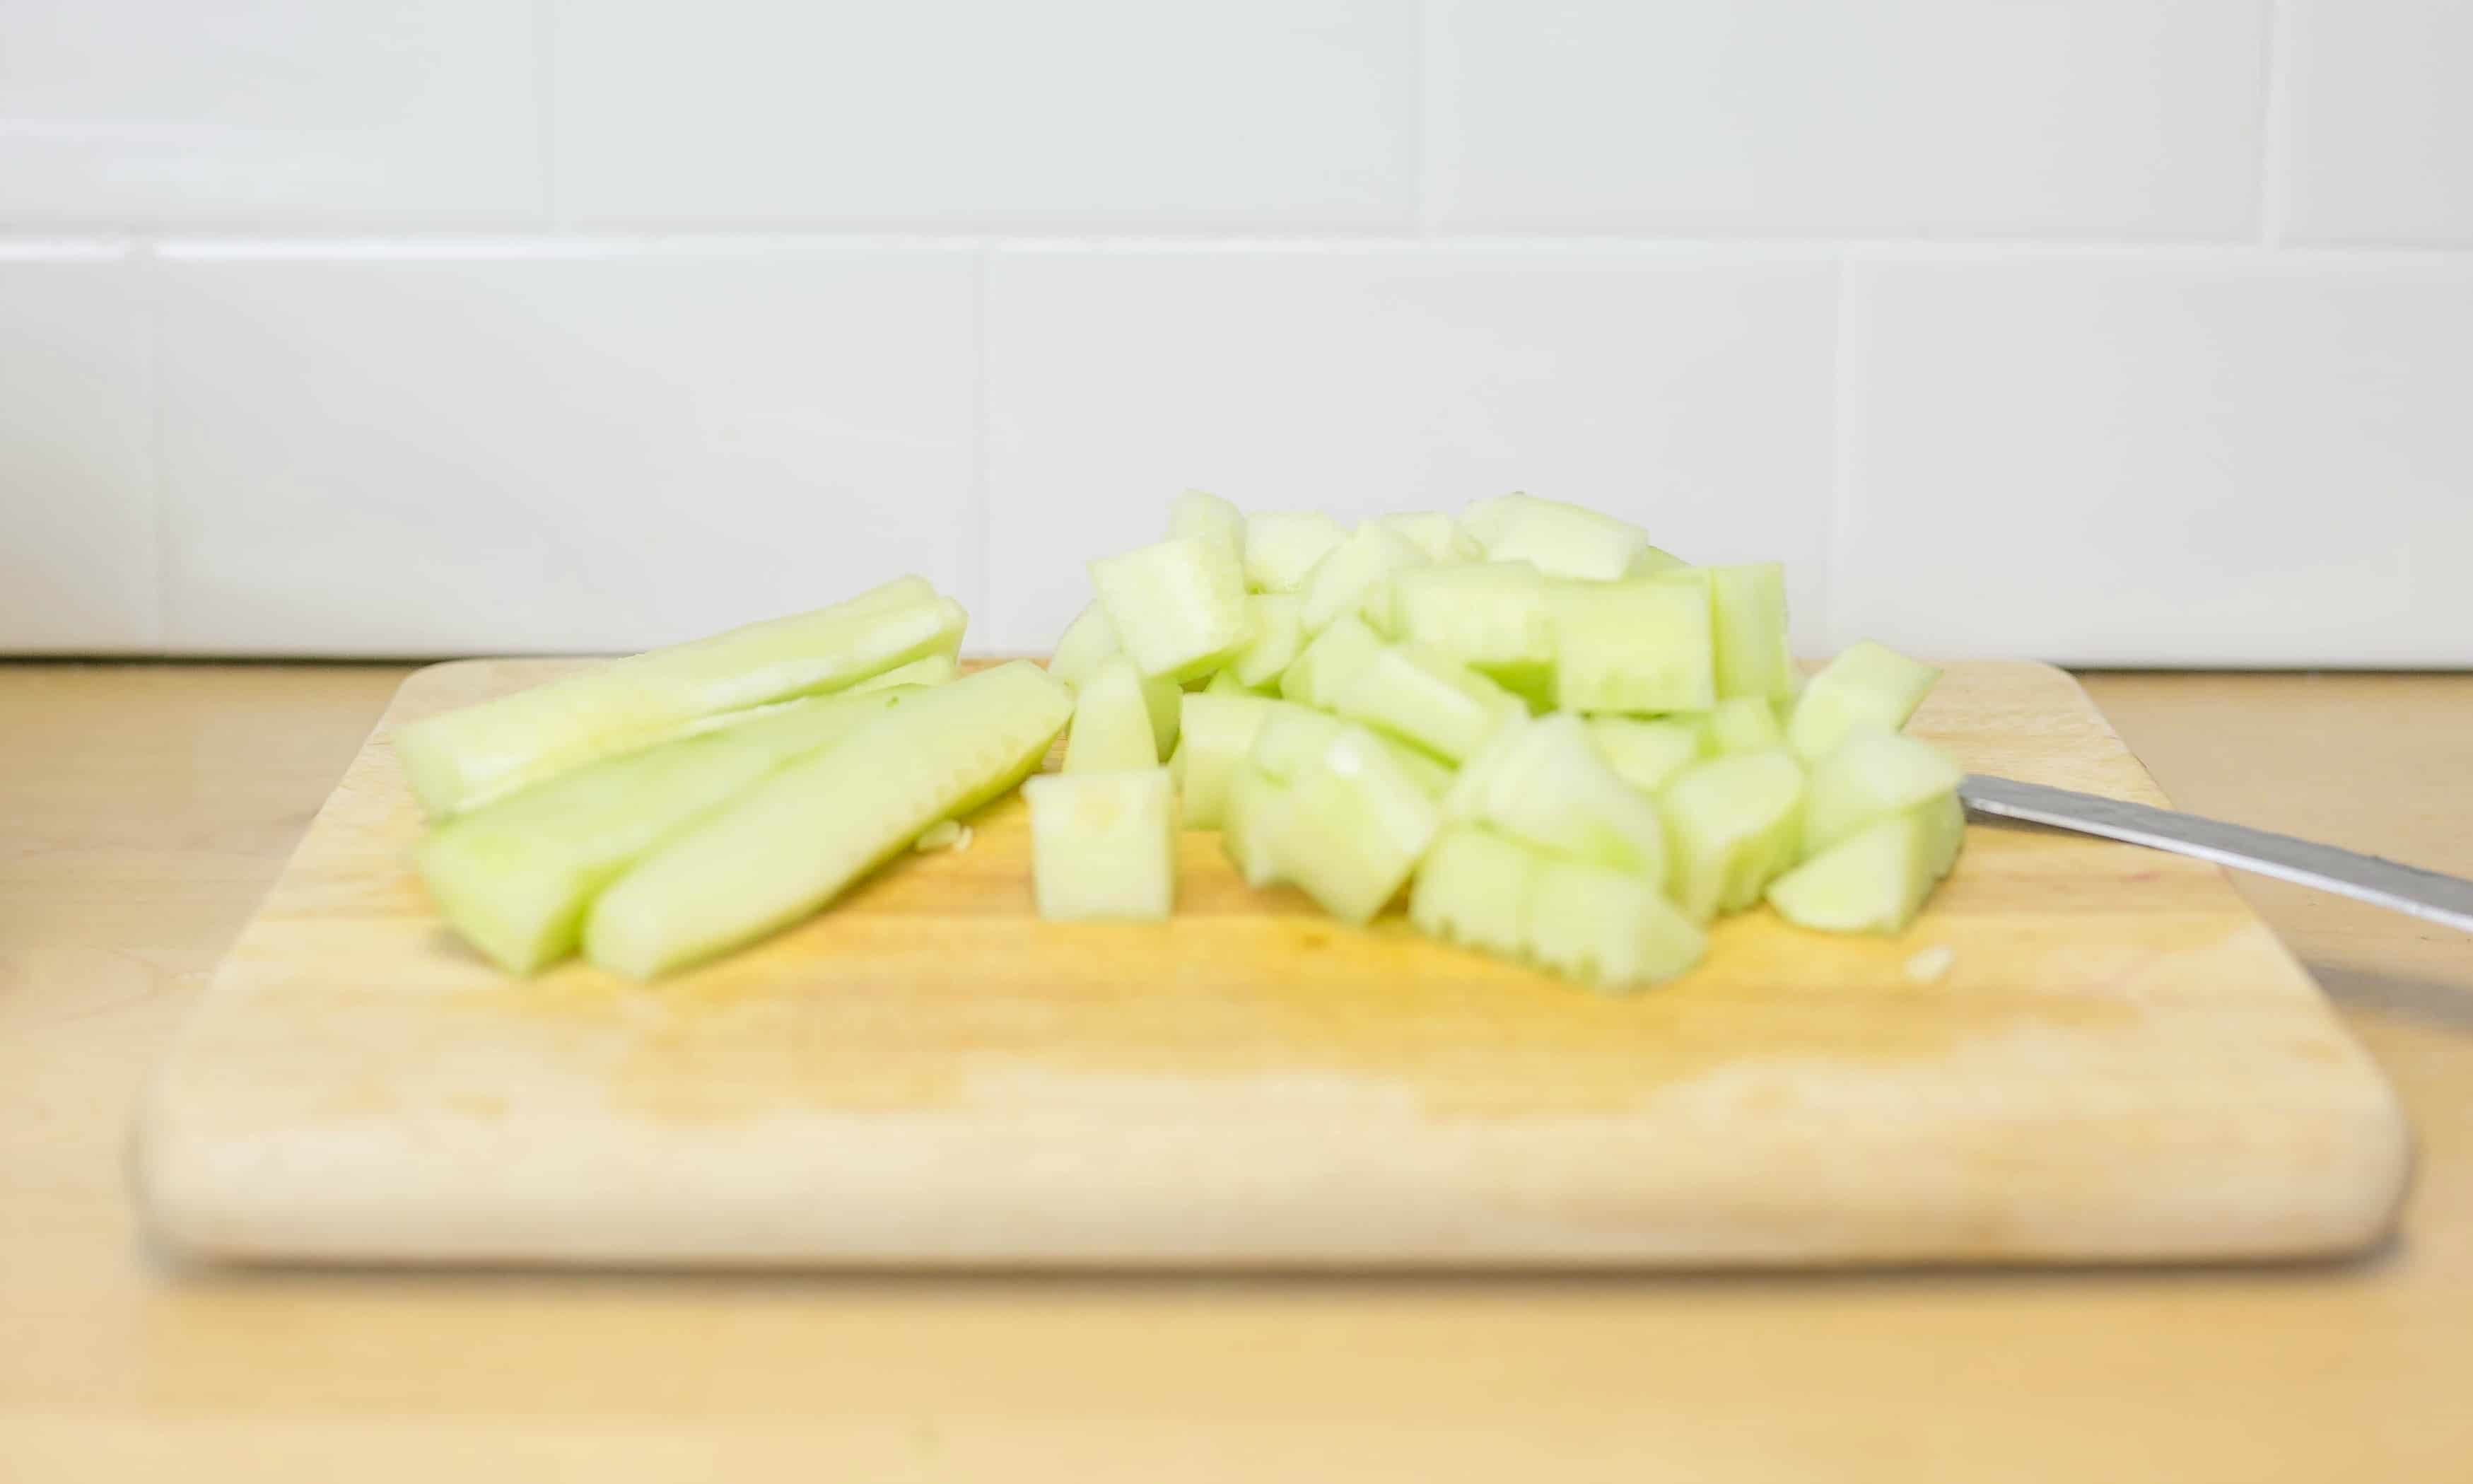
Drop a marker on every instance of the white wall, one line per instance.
(2104, 330)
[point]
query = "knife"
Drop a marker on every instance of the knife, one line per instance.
(2408, 889)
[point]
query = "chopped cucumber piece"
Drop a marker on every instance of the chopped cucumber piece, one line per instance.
(1646, 754)
(1224, 683)
(1866, 682)
(514, 877)
(1944, 831)
(928, 670)
(1543, 782)
(1178, 607)
(1473, 888)
(1563, 540)
(1282, 545)
(1872, 881)
(1632, 646)
(1649, 562)
(1748, 616)
(1165, 700)
(1744, 724)
(1290, 739)
(943, 835)
(1355, 827)
(1432, 775)
(1112, 723)
(1102, 845)
(1733, 828)
(1431, 532)
(1874, 774)
(1257, 809)
(1276, 624)
(1328, 664)
(1219, 733)
(1427, 698)
(459, 759)
(1355, 578)
(1086, 641)
(1194, 513)
(798, 838)
(1491, 616)
(1607, 927)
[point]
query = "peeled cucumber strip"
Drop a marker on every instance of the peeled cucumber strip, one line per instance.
(1194, 513)
(1639, 646)
(1353, 827)
(459, 759)
(1431, 532)
(1218, 736)
(1102, 845)
(1544, 782)
(1646, 754)
(1112, 723)
(1472, 889)
(514, 877)
(1428, 698)
(1563, 540)
(1282, 545)
(1087, 640)
(1607, 927)
(1178, 607)
(1490, 615)
(1330, 663)
(927, 670)
(1733, 825)
(1275, 625)
(1355, 576)
(1944, 822)
(1872, 775)
(1872, 881)
(800, 838)
(1748, 625)
(1742, 724)
(1866, 682)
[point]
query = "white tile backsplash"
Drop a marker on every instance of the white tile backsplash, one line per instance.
(608, 448)
(1079, 114)
(2139, 463)
(78, 549)
(2063, 118)
(291, 114)
(2381, 133)
(1685, 391)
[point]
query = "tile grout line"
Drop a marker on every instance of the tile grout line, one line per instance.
(976, 575)
(1423, 172)
(2274, 133)
(545, 112)
(149, 277)
(1845, 444)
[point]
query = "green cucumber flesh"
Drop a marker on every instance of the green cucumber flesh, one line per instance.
(1178, 606)
(1646, 755)
(459, 759)
(1224, 682)
(1749, 630)
(800, 837)
(1632, 647)
(1218, 736)
(1102, 845)
(1563, 540)
(1872, 881)
(1194, 513)
(514, 877)
(1543, 782)
(1328, 664)
(927, 670)
(1432, 775)
(1490, 615)
(1732, 827)
(1873, 774)
(1648, 562)
(1866, 682)
(1086, 641)
(1282, 545)
(1742, 724)
(1290, 739)
(1112, 723)
(1276, 630)
(1607, 928)
(1256, 811)
(1427, 698)
(1472, 889)
(1355, 576)
(1431, 532)
(1355, 827)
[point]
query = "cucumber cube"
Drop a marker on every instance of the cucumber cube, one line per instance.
(1290, 739)
(1224, 683)
(1744, 724)
(1563, 540)
(1194, 513)
(1087, 640)
(1257, 813)
(1275, 622)
(1355, 827)
(1649, 562)
(1632, 646)
(1432, 775)
(1178, 607)
(1872, 775)
(1165, 700)
(1606, 928)
(1330, 663)
(1355, 577)
(1427, 698)
(1543, 782)
(1748, 614)
(1491, 616)
(1282, 545)
(1219, 733)
(1112, 723)
(1872, 881)
(1866, 682)
(1733, 825)
(1431, 532)
(1472, 889)
(1102, 845)
(1646, 754)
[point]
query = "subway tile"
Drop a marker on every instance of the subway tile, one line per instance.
(1082, 114)
(2235, 462)
(2075, 118)
(2381, 130)
(284, 113)
(1689, 392)
(78, 550)
(566, 450)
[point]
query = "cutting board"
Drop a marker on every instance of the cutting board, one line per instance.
(2120, 1063)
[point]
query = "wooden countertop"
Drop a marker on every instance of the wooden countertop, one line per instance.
(144, 808)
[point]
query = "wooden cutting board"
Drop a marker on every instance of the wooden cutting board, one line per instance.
(2121, 1063)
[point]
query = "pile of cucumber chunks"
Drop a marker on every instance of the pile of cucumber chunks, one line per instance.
(1572, 749)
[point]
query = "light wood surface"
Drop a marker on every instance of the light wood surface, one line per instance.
(143, 811)
(2122, 1063)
